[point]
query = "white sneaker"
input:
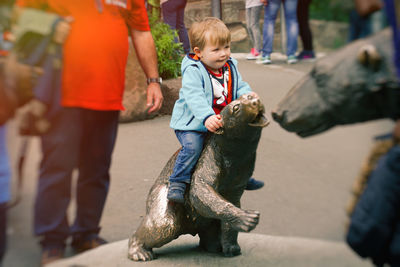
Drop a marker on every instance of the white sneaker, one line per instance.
(250, 56)
(264, 60)
(254, 54)
(292, 59)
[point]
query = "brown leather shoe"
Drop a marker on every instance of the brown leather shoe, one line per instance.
(51, 254)
(82, 245)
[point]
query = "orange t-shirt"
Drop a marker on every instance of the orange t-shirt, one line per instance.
(96, 50)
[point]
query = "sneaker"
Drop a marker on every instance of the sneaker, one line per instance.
(306, 55)
(51, 254)
(82, 244)
(176, 192)
(291, 59)
(254, 54)
(264, 60)
(254, 184)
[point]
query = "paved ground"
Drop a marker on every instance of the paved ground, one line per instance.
(302, 206)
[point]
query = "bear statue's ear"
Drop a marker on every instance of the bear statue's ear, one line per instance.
(369, 57)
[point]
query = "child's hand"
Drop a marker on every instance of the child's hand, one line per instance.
(213, 123)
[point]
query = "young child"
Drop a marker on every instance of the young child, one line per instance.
(210, 81)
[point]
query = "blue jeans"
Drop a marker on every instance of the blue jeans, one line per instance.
(79, 139)
(360, 27)
(192, 145)
(173, 12)
(292, 28)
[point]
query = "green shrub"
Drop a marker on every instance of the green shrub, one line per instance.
(332, 10)
(168, 52)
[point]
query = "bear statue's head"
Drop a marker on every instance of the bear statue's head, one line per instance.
(243, 117)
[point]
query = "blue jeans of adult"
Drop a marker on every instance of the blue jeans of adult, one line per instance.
(292, 28)
(192, 145)
(173, 12)
(79, 139)
(360, 27)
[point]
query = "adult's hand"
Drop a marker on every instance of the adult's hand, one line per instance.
(146, 54)
(154, 97)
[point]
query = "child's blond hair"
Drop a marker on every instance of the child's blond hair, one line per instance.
(209, 30)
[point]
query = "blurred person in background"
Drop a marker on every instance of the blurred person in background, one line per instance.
(253, 11)
(82, 136)
(173, 12)
(271, 8)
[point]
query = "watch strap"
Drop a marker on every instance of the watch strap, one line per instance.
(154, 80)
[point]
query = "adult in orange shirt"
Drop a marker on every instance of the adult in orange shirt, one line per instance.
(83, 133)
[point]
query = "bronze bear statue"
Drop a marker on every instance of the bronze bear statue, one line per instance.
(354, 84)
(212, 204)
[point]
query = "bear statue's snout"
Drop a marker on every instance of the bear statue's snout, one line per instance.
(277, 116)
(253, 102)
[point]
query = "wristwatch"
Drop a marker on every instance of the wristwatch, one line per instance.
(154, 80)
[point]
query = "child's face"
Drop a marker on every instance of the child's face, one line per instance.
(214, 56)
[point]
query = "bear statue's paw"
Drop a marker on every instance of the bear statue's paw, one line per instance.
(137, 252)
(245, 221)
(231, 250)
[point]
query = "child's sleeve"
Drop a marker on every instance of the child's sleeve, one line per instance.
(194, 94)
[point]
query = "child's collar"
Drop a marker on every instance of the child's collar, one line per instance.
(193, 56)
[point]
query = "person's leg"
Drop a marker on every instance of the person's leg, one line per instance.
(98, 140)
(60, 148)
(270, 14)
(353, 32)
(253, 29)
(365, 26)
(180, 25)
(256, 27)
(292, 28)
(3, 227)
(360, 27)
(170, 15)
(192, 145)
(304, 25)
(248, 25)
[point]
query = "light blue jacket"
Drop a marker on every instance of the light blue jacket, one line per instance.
(196, 96)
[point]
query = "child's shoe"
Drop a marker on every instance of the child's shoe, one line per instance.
(254, 54)
(264, 60)
(306, 55)
(176, 192)
(291, 59)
